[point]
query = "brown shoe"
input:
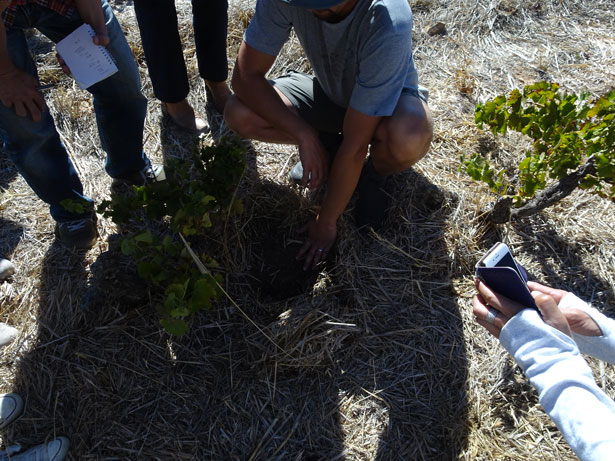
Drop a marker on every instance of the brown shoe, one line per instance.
(184, 116)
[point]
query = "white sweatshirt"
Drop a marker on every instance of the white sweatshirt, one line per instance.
(566, 387)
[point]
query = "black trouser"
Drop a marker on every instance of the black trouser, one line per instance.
(157, 21)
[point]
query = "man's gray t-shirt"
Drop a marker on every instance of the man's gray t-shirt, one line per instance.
(362, 62)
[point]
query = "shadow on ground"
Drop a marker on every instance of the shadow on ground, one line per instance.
(10, 234)
(366, 363)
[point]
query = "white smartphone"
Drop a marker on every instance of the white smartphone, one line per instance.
(500, 272)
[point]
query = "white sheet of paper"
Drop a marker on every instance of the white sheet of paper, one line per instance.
(89, 63)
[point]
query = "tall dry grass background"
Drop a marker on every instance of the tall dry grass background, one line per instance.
(378, 357)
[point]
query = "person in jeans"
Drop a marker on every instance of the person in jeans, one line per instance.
(547, 344)
(157, 20)
(27, 127)
(363, 95)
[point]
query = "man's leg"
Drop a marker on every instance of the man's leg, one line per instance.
(302, 94)
(404, 138)
(120, 107)
(249, 125)
(210, 20)
(35, 147)
(157, 20)
(400, 141)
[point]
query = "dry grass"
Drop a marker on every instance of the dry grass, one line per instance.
(381, 358)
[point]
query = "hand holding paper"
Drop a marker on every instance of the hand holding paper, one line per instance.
(89, 63)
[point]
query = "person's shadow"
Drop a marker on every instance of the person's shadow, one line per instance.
(568, 272)
(8, 172)
(380, 335)
(410, 360)
(58, 320)
(266, 376)
(10, 232)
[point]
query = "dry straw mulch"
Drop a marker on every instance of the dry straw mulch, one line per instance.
(375, 357)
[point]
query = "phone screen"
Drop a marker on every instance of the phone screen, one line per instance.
(506, 260)
(500, 256)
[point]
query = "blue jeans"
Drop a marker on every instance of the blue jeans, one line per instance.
(119, 105)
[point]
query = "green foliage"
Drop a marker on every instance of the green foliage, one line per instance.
(77, 206)
(567, 131)
(198, 194)
(479, 169)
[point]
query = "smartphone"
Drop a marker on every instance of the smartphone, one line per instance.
(500, 272)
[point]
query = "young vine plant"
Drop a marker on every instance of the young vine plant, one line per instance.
(573, 145)
(198, 194)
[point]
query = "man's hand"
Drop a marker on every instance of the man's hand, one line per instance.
(4, 4)
(18, 90)
(315, 161)
(321, 237)
(91, 13)
(102, 36)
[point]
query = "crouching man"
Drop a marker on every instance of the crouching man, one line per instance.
(363, 95)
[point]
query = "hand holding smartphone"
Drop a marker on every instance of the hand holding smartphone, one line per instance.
(501, 273)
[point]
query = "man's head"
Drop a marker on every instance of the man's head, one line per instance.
(326, 10)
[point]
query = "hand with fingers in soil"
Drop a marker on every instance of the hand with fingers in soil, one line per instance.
(547, 344)
(320, 240)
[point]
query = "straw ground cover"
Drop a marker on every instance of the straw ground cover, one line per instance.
(375, 356)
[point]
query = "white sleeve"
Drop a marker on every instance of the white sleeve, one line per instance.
(567, 391)
(600, 347)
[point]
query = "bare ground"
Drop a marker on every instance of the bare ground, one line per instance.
(374, 357)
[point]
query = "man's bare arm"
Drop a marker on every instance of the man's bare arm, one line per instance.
(359, 130)
(91, 13)
(253, 89)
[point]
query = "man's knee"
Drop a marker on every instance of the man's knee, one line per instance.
(409, 140)
(238, 117)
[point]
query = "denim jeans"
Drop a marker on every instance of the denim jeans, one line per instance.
(119, 105)
(157, 20)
